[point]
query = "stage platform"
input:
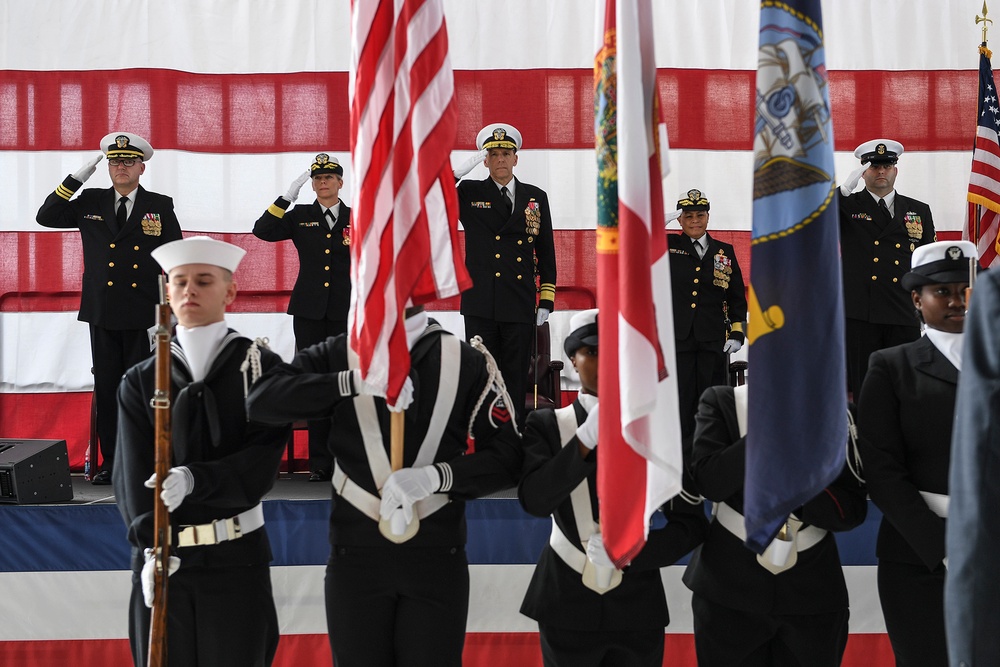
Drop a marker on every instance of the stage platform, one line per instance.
(65, 582)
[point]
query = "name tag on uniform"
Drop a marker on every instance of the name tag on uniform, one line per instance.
(481, 204)
(308, 224)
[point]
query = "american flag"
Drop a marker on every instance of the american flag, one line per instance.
(984, 182)
(403, 127)
(639, 457)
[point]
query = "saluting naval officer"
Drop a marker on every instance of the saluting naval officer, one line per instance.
(220, 606)
(321, 232)
(508, 242)
(710, 305)
(879, 230)
(585, 621)
(119, 227)
(400, 600)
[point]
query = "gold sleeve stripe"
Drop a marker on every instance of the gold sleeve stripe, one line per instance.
(64, 192)
(547, 292)
(737, 326)
(276, 211)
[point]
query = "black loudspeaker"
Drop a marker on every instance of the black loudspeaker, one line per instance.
(34, 471)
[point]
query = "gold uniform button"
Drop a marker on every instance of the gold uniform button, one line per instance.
(896, 262)
(327, 251)
(497, 255)
(112, 245)
(697, 268)
(134, 285)
(326, 268)
(519, 276)
(498, 238)
(135, 247)
(326, 284)
(531, 239)
(111, 264)
(875, 260)
(874, 277)
(498, 274)
(110, 283)
(911, 247)
(135, 266)
(876, 243)
(695, 281)
(329, 235)
(895, 280)
(519, 259)
(693, 306)
(694, 293)
(897, 245)
(520, 242)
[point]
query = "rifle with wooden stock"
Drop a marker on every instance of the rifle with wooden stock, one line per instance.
(161, 517)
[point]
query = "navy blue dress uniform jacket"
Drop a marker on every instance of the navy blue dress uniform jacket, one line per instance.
(323, 287)
(501, 252)
(234, 461)
(701, 286)
(120, 279)
(556, 595)
(905, 417)
(875, 253)
(723, 569)
(308, 388)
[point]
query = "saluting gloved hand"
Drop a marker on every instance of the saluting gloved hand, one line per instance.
(147, 576)
(88, 169)
(176, 487)
(732, 346)
(596, 553)
(403, 401)
(541, 316)
(470, 164)
(293, 189)
(587, 432)
(405, 487)
(847, 187)
(670, 217)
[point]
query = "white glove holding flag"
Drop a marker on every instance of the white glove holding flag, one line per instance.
(405, 487)
(148, 574)
(470, 164)
(403, 401)
(88, 169)
(732, 346)
(178, 484)
(293, 189)
(596, 553)
(541, 316)
(587, 432)
(670, 217)
(847, 187)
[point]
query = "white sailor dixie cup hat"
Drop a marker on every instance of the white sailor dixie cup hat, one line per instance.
(126, 145)
(940, 262)
(198, 250)
(499, 135)
(879, 151)
(582, 331)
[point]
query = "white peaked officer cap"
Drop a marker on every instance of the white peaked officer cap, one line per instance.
(198, 250)
(499, 135)
(879, 151)
(126, 145)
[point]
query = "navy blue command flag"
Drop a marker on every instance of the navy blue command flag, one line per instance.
(797, 416)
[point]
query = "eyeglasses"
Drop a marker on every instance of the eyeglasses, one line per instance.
(114, 162)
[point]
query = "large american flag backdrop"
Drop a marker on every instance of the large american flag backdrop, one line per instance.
(237, 96)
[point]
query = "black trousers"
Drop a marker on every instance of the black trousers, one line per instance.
(863, 338)
(575, 648)
(511, 344)
(397, 607)
(113, 351)
(309, 332)
(725, 637)
(912, 601)
(700, 365)
(216, 617)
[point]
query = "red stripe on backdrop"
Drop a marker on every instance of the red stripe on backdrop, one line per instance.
(270, 113)
(481, 650)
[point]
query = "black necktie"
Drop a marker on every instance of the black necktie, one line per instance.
(122, 214)
(508, 206)
(331, 218)
(885, 209)
(699, 249)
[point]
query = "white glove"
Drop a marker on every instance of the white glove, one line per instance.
(88, 169)
(148, 574)
(541, 316)
(670, 217)
(732, 346)
(847, 187)
(403, 401)
(470, 164)
(176, 487)
(405, 487)
(587, 433)
(293, 189)
(596, 553)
